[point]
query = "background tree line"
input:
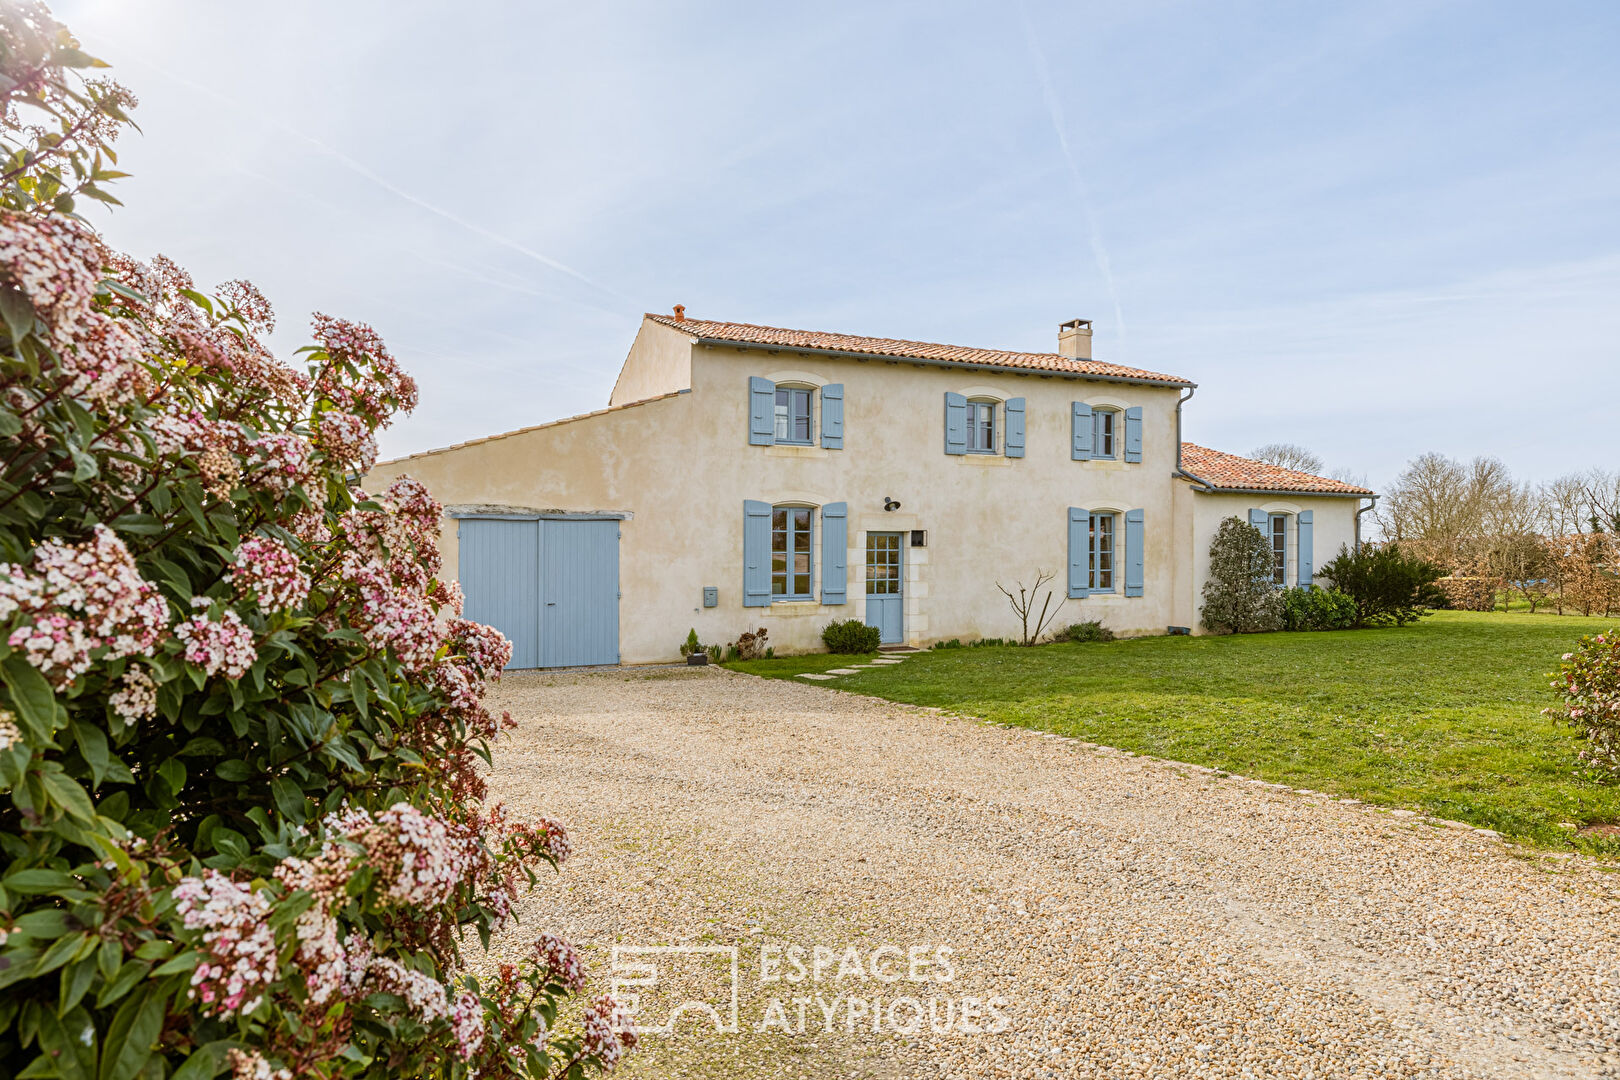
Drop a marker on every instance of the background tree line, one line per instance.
(1556, 543)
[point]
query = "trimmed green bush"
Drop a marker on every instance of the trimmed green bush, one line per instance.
(1317, 609)
(1388, 586)
(851, 636)
(1084, 632)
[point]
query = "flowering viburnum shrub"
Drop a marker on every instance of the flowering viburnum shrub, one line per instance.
(1587, 683)
(244, 825)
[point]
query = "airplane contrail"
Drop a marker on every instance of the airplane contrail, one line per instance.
(1054, 110)
(387, 185)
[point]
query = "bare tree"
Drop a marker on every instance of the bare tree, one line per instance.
(1562, 506)
(1023, 605)
(1443, 509)
(1289, 456)
(1602, 491)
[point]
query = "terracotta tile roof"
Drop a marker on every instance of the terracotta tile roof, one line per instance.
(1230, 472)
(748, 334)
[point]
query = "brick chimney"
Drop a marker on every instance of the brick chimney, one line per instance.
(680, 312)
(1074, 339)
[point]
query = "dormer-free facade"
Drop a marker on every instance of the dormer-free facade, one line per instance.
(747, 476)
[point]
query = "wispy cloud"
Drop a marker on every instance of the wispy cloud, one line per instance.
(359, 168)
(1054, 109)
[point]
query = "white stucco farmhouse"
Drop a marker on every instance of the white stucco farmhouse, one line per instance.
(748, 476)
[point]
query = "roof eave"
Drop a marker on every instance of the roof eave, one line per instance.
(805, 350)
(1217, 489)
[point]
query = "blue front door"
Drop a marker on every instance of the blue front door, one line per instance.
(885, 575)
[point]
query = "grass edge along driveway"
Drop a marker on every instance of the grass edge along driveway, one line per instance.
(1442, 716)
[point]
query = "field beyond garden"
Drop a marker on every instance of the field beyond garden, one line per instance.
(1441, 716)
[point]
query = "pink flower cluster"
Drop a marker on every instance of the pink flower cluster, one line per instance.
(390, 559)
(467, 1022)
(609, 1032)
(268, 571)
(423, 859)
(346, 439)
(360, 376)
(280, 462)
(560, 961)
(485, 647)
(222, 645)
(424, 994)
(77, 600)
(251, 1065)
(54, 261)
(239, 951)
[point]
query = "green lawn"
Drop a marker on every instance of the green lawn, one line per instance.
(1443, 716)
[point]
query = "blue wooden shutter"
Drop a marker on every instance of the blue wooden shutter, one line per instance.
(1134, 575)
(1307, 570)
(1133, 434)
(832, 417)
(1080, 430)
(1079, 527)
(1259, 519)
(1013, 443)
(955, 423)
(761, 411)
(756, 554)
(834, 552)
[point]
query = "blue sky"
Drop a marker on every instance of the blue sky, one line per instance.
(1373, 229)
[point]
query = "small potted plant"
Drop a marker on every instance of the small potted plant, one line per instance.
(694, 651)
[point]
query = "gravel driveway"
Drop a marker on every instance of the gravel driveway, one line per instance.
(1132, 917)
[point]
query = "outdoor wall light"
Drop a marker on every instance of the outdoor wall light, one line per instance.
(890, 504)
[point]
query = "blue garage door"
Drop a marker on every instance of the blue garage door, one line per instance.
(551, 585)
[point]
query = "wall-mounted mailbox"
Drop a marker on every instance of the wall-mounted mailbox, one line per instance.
(919, 537)
(711, 596)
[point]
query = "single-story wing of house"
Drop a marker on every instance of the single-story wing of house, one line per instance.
(749, 476)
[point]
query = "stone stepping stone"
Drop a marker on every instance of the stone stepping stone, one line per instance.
(813, 675)
(884, 661)
(842, 671)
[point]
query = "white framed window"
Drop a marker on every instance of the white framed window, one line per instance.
(792, 543)
(1100, 553)
(1104, 432)
(793, 414)
(981, 427)
(1278, 536)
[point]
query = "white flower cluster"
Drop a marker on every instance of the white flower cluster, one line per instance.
(78, 598)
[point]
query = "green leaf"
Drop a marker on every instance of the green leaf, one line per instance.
(205, 1062)
(60, 952)
(134, 1030)
(39, 881)
(17, 311)
(289, 798)
(75, 981)
(71, 1041)
(234, 771)
(9, 424)
(33, 697)
(70, 796)
(184, 962)
(122, 983)
(173, 772)
(45, 924)
(93, 745)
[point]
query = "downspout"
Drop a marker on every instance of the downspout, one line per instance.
(1181, 472)
(1359, 511)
